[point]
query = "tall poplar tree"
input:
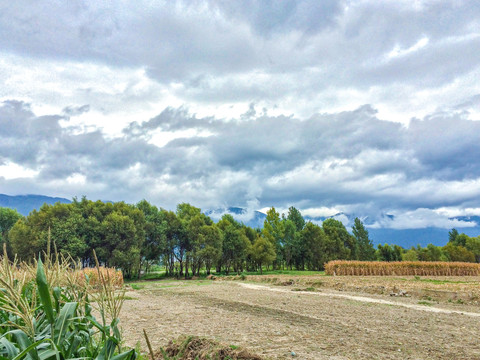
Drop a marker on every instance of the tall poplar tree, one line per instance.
(366, 251)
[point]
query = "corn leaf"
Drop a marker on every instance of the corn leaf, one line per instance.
(61, 324)
(57, 293)
(47, 354)
(25, 345)
(10, 348)
(127, 355)
(44, 292)
(32, 350)
(108, 349)
(74, 346)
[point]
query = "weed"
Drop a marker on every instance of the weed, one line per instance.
(137, 286)
(193, 347)
(423, 302)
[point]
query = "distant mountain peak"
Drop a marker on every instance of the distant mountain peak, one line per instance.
(252, 218)
(24, 204)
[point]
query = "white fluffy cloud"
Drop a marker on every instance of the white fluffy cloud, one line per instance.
(353, 106)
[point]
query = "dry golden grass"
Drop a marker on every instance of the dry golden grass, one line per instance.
(419, 268)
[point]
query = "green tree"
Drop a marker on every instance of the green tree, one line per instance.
(262, 252)
(121, 244)
(185, 213)
(8, 218)
(174, 237)
(296, 217)
(67, 234)
(299, 250)
(435, 253)
(410, 255)
(366, 251)
(388, 253)
(315, 243)
(192, 220)
(236, 245)
(473, 245)
(397, 253)
(339, 243)
(276, 232)
(461, 240)
(211, 251)
(59, 221)
(24, 240)
(458, 253)
(290, 230)
(197, 242)
(155, 233)
(452, 235)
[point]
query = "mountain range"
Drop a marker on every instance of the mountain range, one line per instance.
(406, 238)
(26, 203)
(403, 237)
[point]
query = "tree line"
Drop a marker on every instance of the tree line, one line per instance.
(186, 241)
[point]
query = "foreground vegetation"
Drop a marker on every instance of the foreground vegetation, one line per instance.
(46, 312)
(136, 237)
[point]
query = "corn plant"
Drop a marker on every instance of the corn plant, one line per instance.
(418, 268)
(49, 316)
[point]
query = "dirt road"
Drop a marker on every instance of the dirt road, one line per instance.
(365, 299)
(276, 321)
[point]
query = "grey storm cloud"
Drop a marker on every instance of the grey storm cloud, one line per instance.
(76, 110)
(339, 158)
(316, 80)
(269, 17)
(193, 41)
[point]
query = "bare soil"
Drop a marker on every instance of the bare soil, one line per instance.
(298, 320)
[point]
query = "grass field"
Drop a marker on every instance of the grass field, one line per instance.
(314, 316)
(160, 274)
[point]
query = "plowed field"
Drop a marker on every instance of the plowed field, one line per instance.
(346, 321)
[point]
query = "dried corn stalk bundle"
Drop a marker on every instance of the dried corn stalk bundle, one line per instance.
(419, 268)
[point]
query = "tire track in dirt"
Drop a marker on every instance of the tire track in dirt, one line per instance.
(362, 299)
(244, 307)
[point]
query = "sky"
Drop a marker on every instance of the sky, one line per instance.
(361, 107)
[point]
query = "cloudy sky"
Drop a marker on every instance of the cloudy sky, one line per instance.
(366, 107)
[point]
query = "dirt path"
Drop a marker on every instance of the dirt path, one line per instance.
(276, 321)
(362, 298)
